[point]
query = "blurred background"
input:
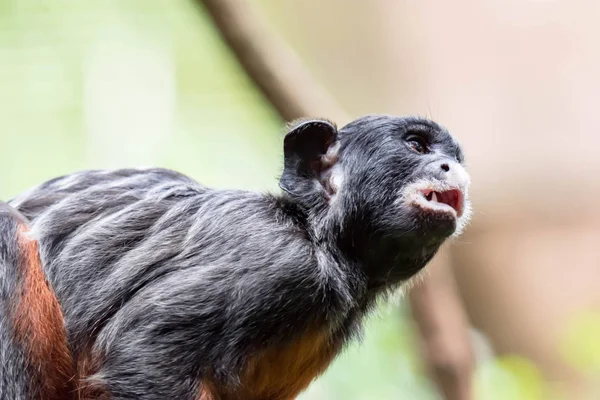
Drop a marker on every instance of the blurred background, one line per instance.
(117, 83)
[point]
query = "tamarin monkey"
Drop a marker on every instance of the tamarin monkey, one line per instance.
(144, 284)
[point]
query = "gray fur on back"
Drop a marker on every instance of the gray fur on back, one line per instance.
(150, 255)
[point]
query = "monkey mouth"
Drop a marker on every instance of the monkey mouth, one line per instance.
(451, 200)
(436, 197)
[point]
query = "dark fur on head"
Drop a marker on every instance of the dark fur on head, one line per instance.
(173, 288)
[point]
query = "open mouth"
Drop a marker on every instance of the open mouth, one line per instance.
(443, 201)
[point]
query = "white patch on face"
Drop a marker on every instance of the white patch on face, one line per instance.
(414, 194)
(336, 180)
(332, 173)
(460, 175)
(464, 220)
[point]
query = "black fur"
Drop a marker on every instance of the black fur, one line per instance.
(167, 280)
(14, 368)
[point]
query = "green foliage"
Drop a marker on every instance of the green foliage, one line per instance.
(509, 378)
(581, 344)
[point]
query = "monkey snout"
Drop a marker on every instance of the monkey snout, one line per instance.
(450, 172)
(458, 176)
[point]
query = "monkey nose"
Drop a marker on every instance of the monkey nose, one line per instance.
(455, 174)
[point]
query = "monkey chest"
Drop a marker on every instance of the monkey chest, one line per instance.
(279, 372)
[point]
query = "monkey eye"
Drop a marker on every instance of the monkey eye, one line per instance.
(417, 144)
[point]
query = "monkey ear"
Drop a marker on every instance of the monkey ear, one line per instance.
(309, 150)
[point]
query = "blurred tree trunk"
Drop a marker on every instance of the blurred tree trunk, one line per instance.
(443, 325)
(271, 64)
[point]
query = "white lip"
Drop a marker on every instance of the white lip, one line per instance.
(433, 205)
(414, 195)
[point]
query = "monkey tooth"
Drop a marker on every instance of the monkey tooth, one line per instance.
(435, 196)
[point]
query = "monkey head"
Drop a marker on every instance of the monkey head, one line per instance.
(389, 190)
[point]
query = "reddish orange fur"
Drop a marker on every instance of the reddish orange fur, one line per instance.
(280, 372)
(87, 365)
(40, 326)
(206, 391)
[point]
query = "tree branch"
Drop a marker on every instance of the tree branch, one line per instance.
(438, 312)
(271, 64)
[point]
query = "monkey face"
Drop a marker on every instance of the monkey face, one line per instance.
(436, 192)
(414, 169)
(384, 176)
